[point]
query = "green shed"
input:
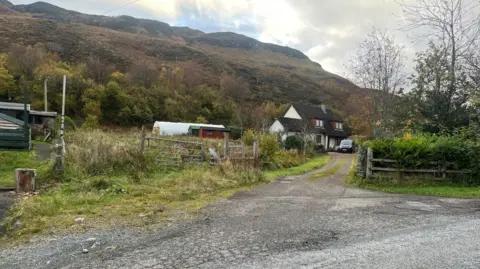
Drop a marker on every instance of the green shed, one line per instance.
(194, 130)
(14, 133)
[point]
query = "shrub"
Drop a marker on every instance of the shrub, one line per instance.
(414, 151)
(293, 142)
(249, 137)
(269, 146)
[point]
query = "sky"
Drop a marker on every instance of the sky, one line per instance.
(327, 31)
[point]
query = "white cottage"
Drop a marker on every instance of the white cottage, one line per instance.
(320, 123)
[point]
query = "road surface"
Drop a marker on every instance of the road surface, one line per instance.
(291, 223)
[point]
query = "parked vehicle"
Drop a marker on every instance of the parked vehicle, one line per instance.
(347, 146)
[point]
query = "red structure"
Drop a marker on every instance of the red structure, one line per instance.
(212, 132)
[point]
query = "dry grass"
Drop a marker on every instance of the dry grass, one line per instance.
(110, 184)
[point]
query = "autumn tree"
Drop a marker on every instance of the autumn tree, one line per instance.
(378, 64)
(144, 73)
(6, 80)
(234, 87)
(24, 60)
(264, 115)
(97, 70)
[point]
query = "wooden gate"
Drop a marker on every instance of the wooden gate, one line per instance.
(175, 153)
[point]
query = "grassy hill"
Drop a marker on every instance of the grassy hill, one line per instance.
(274, 72)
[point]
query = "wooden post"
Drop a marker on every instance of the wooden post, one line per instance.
(244, 159)
(369, 162)
(256, 155)
(142, 140)
(46, 94)
(226, 148)
(25, 180)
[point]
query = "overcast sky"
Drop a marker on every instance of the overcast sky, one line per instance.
(326, 30)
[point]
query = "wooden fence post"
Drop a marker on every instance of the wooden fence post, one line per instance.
(226, 146)
(25, 180)
(369, 163)
(256, 155)
(142, 140)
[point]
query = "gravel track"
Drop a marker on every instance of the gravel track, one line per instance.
(293, 222)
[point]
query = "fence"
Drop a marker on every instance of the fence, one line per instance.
(174, 153)
(181, 153)
(15, 139)
(370, 167)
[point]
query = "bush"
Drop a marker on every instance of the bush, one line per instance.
(415, 151)
(269, 146)
(294, 142)
(69, 123)
(249, 137)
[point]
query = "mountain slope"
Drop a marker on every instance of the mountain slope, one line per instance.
(274, 72)
(6, 3)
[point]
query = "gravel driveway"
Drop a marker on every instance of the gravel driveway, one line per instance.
(290, 223)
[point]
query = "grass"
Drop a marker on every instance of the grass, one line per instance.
(309, 166)
(111, 184)
(124, 201)
(329, 172)
(10, 160)
(417, 186)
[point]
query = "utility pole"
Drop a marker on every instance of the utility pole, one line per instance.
(60, 146)
(62, 126)
(45, 94)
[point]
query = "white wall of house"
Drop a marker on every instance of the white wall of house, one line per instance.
(292, 113)
(276, 127)
(320, 139)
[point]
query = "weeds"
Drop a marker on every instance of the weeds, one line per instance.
(310, 165)
(329, 172)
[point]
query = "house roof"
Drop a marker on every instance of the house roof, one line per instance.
(335, 132)
(44, 113)
(13, 106)
(313, 112)
(296, 125)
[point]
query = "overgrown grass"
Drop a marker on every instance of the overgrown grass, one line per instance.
(309, 166)
(9, 160)
(416, 186)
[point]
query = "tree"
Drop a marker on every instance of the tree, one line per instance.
(25, 60)
(233, 87)
(144, 73)
(97, 70)
(264, 115)
(6, 80)
(453, 23)
(378, 64)
(444, 106)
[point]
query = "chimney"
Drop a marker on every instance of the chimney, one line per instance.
(324, 108)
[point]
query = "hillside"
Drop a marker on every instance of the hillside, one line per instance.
(274, 72)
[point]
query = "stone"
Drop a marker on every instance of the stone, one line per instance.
(79, 220)
(85, 251)
(91, 239)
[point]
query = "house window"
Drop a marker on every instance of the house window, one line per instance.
(318, 123)
(209, 133)
(339, 125)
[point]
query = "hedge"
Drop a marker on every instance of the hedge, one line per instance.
(415, 151)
